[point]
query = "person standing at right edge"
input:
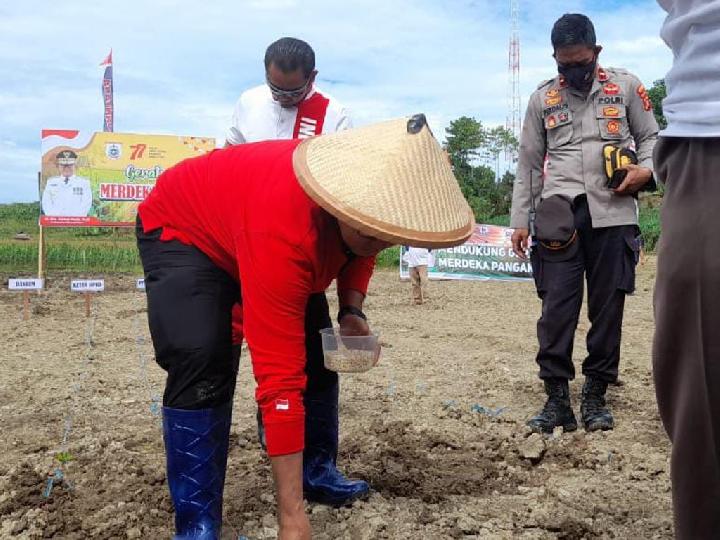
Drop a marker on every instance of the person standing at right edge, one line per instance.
(686, 350)
(584, 228)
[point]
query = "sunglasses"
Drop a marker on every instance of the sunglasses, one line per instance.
(294, 93)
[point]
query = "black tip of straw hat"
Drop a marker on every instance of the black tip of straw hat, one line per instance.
(416, 123)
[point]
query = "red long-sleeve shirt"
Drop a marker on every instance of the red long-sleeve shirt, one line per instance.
(243, 207)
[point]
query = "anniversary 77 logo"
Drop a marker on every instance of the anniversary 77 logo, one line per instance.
(137, 150)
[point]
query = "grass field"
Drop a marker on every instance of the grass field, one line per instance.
(102, 249)
(82, 249)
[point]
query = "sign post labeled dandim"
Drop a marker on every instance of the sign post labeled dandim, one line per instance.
(25, 285)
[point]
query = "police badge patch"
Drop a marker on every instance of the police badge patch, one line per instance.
(642, 93)
(611, 89)
(613, 128)
(552, 101)
(611, 111)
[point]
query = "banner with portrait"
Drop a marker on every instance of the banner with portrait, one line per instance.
(98, 179)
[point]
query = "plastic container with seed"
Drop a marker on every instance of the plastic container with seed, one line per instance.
(349, 354)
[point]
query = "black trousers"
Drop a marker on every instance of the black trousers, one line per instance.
(190, 302)
(607, 259)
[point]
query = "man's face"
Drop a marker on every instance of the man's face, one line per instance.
(361, 244)
(288, 89)
(66, 170)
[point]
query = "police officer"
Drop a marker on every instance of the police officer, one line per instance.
(569, 121)
(290, 106)
(67, 194)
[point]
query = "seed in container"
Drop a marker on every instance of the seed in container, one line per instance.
(353, 354)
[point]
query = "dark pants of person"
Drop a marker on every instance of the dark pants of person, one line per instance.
(607, 258)
(686, 350)
(190, 303)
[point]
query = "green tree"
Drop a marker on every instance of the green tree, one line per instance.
(496, 141)
(505, 191)
(464, 138)
(657, 93)
(467, 143)
(479, 189)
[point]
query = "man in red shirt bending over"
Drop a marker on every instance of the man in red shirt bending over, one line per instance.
(268, 224)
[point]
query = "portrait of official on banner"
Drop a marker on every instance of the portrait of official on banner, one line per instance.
(91, 179)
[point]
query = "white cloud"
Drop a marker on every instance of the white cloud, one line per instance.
(271, 4)
(179, 65)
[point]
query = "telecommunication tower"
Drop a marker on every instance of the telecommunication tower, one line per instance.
(514, 122)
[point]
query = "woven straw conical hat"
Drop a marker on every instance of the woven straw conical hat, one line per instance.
(390, 180)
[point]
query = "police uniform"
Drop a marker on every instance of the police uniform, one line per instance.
(561, 153)
(67, 195)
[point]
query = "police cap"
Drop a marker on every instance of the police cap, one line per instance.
(66, 157)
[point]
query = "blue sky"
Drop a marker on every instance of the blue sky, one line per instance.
(180, 65)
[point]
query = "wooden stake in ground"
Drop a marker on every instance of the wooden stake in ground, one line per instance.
(25, 285)
(87, 287)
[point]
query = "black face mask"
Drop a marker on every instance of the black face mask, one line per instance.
(579, 77)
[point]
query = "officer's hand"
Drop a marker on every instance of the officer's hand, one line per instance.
(635, 179)
(519, 241)
(352, 325)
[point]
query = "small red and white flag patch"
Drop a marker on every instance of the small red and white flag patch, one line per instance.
(282, 405)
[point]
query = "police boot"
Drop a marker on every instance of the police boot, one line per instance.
(196, 447)
(595, 414)
(322, 482)
(557, 410)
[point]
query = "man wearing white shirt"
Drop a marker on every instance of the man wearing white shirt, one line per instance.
(418, 260)
(290, 106)
(67, 195)
(686, 350)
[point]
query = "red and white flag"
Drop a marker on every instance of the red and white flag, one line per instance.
(107, 93)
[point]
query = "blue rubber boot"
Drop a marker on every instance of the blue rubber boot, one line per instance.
(196, 446)
(322, 482)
